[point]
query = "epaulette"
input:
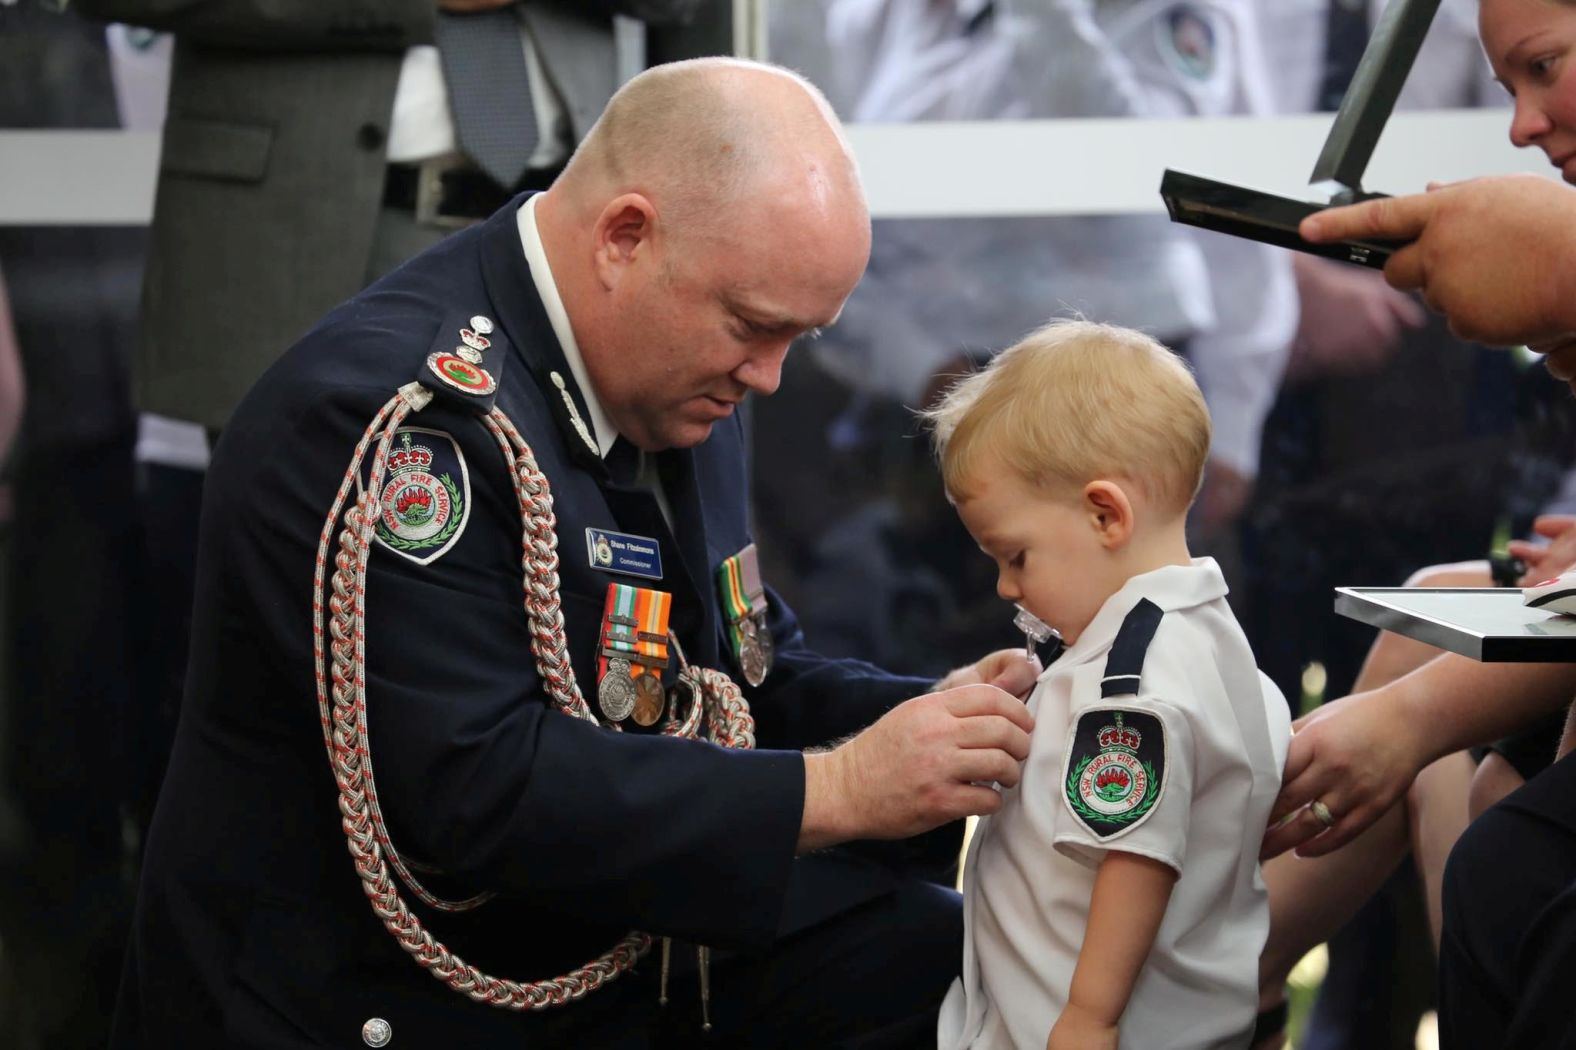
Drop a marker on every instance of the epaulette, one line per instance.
(1125, 663)
(465, 362)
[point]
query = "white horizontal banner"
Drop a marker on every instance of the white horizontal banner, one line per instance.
(1052, 167)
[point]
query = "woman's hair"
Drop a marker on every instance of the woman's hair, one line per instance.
(1073, 402)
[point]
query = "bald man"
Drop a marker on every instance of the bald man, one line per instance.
(545, 782)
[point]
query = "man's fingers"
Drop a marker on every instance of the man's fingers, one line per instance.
(970, 700)
(1389, 218)
(993, 731)
(983, 765)
(974, 800)
(1018, 678)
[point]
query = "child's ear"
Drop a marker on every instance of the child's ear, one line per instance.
(1110, 513)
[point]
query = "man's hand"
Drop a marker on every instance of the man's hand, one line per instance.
(1544, 562)
(1497, 256)
(1357, 756)
(1007, 669)
(1350, 321)
(928, 761)
(1076, 1030)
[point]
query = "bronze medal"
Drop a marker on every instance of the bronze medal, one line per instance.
(615, 694)
(650, 700)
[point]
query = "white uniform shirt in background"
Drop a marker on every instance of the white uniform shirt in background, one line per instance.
(938, 287)
(1031, 866)
(1450, 71)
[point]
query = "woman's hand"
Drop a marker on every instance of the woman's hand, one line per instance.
(1356, 757)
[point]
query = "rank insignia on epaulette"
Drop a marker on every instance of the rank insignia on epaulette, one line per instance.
(426, 495)
(1114, 769)
(460, 374)
(454, 360)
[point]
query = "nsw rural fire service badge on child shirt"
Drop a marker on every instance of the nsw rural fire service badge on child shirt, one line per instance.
(426, 495)
(1114, 769)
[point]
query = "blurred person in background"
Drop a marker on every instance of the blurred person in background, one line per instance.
(312, 146)
(1463, 456)
(942, 292)
(77, 622)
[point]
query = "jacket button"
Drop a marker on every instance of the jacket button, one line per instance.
(376, 1032)
(370, 137)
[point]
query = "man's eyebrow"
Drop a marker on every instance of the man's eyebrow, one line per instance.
(768, 319)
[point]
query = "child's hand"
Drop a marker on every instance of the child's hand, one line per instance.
(1078, 1030)
(1007, 669)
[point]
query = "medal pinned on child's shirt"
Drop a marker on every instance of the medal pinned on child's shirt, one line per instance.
(744, 607)
(633, 654)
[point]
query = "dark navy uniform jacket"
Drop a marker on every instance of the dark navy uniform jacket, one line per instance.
(252, 928)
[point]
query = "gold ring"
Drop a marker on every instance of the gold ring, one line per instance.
(1322, 813)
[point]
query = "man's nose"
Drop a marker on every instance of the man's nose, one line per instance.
(762, 371)
(1007, 588)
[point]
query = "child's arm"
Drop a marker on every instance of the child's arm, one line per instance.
(1130, 897)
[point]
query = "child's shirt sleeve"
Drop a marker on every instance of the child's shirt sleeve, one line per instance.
(1127, 781)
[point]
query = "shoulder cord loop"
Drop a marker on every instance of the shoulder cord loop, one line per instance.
(342, 706)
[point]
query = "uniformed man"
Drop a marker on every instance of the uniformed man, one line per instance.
(559, 382)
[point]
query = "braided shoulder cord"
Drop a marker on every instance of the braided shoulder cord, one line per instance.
(341, 694)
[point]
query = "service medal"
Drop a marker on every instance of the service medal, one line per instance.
(615, 694)
(744, 608)
(650, 700)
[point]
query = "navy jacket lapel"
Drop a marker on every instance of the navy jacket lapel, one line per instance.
(513, 293)
(676, 467)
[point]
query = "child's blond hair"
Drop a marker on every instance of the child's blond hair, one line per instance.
(1072, 402)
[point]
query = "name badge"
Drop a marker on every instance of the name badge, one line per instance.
(621, 552)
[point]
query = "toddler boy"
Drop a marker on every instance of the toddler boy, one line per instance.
(1114, 900)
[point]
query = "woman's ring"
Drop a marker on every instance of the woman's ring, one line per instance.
(1322, 813)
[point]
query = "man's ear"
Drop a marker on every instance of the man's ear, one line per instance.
(1109, 512)
(623, 234)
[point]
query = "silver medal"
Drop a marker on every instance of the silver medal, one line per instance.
(616, 692)
(482, 324)
(755, 650)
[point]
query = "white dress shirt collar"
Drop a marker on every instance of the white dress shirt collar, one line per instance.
(547, 289)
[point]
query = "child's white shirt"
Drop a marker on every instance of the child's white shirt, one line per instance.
(1223, 729)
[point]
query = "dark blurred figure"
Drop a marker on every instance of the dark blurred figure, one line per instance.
(313, 145)
(73, 597)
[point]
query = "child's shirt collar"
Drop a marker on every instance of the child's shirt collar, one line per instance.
(1171, 587)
